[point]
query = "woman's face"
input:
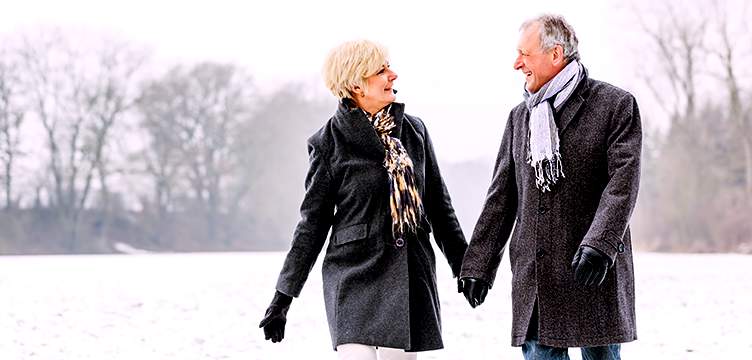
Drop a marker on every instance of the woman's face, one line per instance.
(377, 92)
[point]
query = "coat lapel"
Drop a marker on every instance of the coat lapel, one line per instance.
(359, 132)
(573, 104)
(398, 111)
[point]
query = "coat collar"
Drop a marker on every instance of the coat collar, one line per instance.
(358, 131)
(575, 101)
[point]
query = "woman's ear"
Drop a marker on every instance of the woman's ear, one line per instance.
(358, 91)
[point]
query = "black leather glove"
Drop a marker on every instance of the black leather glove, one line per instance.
(276, 317)
(590, 266)
(475, 290)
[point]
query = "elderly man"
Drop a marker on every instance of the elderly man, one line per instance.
(566, 180)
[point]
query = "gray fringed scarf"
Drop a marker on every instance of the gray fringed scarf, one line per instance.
(543, 149)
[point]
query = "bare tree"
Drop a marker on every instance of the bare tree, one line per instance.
(699, 50)
(159, 107)
(78, 97)
(11, 117)
(729, 51)
(678, 42)
(192, 117)
(112, 92)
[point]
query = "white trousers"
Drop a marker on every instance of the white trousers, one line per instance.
(365, 352)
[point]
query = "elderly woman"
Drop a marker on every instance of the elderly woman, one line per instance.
(375, 181)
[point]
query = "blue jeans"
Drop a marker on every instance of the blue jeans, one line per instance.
(532, 350)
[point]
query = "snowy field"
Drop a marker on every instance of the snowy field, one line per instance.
(207, 306)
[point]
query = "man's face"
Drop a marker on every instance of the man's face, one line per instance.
(537, 65)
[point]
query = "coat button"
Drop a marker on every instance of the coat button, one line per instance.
(399, 242)
(540, 253)
(542, 210)
(620, 247)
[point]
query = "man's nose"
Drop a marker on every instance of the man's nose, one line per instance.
(392, 75)
(517, 62)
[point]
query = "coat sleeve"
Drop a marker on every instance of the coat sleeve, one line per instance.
(620, 194)
(317, 211)
(438, 206)
(497, 217)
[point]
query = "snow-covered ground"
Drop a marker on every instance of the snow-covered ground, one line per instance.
(207, 306)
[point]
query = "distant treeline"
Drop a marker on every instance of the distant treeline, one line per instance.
(93, 151)
(97, 149)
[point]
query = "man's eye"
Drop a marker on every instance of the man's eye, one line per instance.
(381, 71)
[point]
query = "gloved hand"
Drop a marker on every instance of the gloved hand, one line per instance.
(475, 290)
(276, 317)
(590, 266)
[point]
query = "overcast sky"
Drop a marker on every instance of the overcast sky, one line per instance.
(454, 61)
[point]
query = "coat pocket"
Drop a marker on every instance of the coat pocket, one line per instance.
(350, 233)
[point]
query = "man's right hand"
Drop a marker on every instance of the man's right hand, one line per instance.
(475, 290)
(275, 317)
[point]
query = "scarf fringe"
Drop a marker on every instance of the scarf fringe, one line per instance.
(548, 172)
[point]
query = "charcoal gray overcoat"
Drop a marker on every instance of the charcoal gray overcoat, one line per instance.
(600, 140)
(377, 290)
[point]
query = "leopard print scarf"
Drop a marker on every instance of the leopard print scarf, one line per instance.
(404, 200)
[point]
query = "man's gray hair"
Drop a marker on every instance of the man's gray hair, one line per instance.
(554, 30)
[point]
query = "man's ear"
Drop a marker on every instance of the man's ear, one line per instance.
(557, 56)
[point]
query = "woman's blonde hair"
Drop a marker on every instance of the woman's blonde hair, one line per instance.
(349, 64)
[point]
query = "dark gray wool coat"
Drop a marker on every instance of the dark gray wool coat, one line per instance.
(376, 291)
(600, 141)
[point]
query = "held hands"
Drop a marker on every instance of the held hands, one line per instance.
(275, 318)
(475, 290)
(590, 266)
